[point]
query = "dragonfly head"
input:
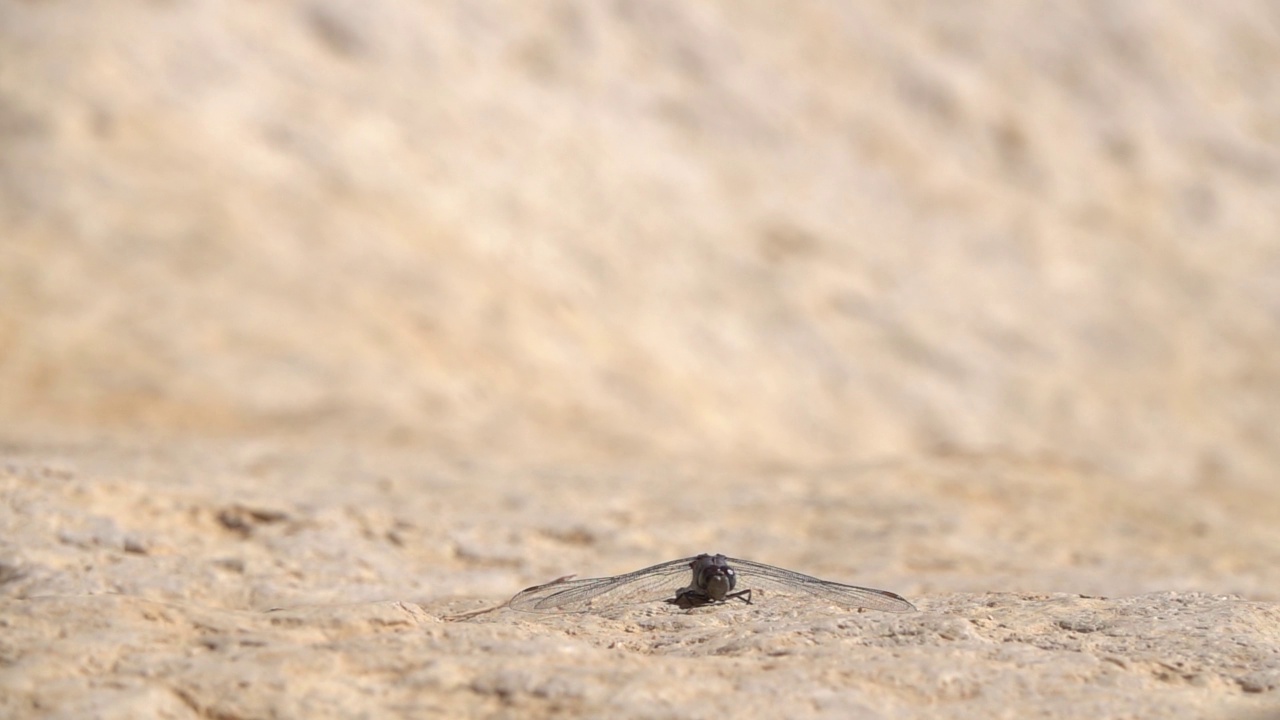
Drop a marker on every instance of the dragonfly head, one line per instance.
(713, 576)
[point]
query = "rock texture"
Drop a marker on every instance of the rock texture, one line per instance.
(323, 321)
(256, 581)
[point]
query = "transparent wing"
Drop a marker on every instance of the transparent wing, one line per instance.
(659, 582)
(769, 580)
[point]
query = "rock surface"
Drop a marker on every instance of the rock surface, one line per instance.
(323, 322)
(257, 581)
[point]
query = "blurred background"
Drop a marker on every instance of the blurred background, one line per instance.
(766, 233)
(374, 307)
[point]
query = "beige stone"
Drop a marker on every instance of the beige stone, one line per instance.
(323, 321)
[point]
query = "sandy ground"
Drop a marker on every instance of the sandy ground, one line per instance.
(325, 323)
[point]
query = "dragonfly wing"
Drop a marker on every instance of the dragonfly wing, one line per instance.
(774, 580)
(658, 582)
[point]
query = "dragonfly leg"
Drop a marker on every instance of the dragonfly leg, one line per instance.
(690, 598)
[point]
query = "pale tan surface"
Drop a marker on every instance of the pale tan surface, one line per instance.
(253, 581)
(376, 312)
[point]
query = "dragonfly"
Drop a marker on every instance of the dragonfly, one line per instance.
(697, 581)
